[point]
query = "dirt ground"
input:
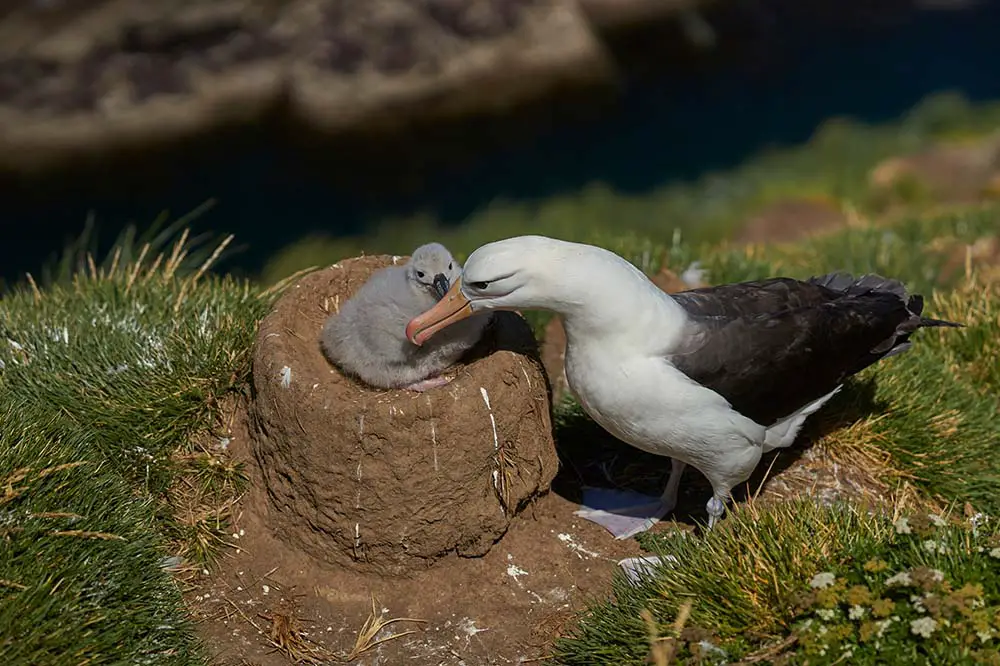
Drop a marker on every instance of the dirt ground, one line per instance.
(502, 608)
(269, 604)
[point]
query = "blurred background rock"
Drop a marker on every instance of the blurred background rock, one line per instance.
(325, 127)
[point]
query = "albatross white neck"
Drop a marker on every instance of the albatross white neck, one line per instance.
(605, 300)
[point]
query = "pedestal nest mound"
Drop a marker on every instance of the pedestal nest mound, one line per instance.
(390, 481)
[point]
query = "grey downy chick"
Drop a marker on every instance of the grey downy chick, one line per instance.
(367, 338)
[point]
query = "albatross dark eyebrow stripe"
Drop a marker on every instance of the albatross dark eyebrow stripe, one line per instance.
(488, 282)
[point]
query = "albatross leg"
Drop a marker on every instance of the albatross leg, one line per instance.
(428, 384)
(716, 507)
(669, 497)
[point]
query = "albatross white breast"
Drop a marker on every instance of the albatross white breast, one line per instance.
(710, 377)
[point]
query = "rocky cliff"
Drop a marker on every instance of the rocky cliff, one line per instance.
(92, 77)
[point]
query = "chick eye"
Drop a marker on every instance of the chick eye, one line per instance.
(480, 285)
(420, 274)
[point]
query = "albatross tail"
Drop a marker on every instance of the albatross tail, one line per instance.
(848, 285)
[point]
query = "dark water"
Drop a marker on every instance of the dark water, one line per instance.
(673, 126)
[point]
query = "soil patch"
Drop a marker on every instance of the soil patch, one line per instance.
(791, 220)
(509, 605)
(500, 608)
(505, 607)
(965, 172)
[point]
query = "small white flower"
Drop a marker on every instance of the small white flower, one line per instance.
(821, 580)
(856, 612)
(710, 648)
(932, 546)
(917, 603)
(937, 520)
(924, 626)
(902, 526)
(882, 626)
(977, 603)
(937, 575)
(826, 614)
(902, 578)
(984, 636)
(995, 553)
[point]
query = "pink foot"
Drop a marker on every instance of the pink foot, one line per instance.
(428, 384)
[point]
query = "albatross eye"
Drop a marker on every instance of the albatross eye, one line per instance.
(480, 285)
(420, 274)
(450, 265)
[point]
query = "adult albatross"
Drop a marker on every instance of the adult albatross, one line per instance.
(710, 377)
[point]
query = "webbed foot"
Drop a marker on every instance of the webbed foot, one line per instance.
(428, 384)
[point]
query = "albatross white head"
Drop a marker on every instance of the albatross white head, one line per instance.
(578, 281)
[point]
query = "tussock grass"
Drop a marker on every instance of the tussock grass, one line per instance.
(740, 580)
(80, 598)
(106, 376)
(757, 591)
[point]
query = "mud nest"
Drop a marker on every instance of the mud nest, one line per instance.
(390, 481)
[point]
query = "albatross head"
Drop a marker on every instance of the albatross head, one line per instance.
(432, 267)
(524, 272)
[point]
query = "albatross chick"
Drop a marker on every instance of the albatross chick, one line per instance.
(366, 339)
(710, 377)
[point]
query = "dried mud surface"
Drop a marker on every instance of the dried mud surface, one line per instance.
(501, 608)
(390, 481)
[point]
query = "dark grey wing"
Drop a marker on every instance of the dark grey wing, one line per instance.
(770, 347)
(742, 299)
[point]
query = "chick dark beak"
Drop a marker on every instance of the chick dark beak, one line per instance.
(441, 285)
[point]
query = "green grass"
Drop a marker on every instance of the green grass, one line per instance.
(751, 589)
(110, 372)
(833, 166)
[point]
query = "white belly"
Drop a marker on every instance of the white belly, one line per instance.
(649, 404)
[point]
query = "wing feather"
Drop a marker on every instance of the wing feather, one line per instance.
(771, 346)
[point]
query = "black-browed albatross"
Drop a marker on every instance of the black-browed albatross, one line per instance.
(710, 377)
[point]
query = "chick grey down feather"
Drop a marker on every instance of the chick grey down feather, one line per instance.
(366, 339)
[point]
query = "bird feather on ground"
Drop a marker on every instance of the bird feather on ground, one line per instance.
(366, 339)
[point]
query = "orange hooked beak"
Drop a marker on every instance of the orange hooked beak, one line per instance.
(454, 307)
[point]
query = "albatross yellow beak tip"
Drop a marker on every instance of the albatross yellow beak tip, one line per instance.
(453, 308)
